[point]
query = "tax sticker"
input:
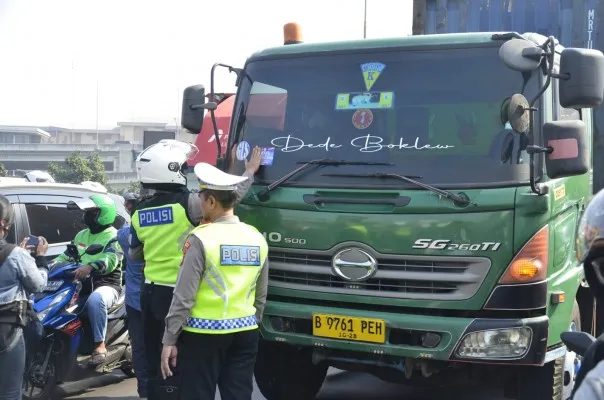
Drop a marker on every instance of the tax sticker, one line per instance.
(243, 150)
(361, 119)
(268, 154)
(240, 255)
(371, 72)
(364, 100)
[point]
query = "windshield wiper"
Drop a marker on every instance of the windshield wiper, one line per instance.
(265, 194)
(460, 199)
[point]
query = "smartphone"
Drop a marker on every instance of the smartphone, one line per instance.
(32, 242)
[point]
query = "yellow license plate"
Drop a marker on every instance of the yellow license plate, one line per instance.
(349, 328)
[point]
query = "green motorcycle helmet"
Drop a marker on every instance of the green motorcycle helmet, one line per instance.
(105, 211)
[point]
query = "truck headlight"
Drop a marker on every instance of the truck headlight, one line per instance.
(496, 343)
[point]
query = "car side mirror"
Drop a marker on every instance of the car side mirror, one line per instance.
(94, 249)
(72, 251)
(581, 78)
(193, 106)
(567, 153)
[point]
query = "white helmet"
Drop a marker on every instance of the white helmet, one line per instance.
(161, 163)
(39, 176)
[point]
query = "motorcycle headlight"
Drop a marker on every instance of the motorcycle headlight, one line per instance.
(58, 298)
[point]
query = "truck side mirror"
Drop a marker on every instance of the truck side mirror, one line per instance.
(193, 106)
(568, 151)
(582, 78)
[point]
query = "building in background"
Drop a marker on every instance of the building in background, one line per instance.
(27, 148)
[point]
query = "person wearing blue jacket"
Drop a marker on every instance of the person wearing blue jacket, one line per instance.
(133, 276)
(20, 276)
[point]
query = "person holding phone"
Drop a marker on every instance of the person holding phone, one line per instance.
(20, 276)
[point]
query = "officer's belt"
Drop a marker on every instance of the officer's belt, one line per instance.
(160, 284)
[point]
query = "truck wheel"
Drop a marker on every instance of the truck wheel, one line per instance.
(555, 380)
(286, 372)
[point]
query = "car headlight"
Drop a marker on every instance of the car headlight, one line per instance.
(496, 343)
(58, 298)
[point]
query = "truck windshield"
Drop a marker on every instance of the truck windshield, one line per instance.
(431, 113)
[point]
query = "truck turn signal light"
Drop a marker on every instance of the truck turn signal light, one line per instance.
(530, 264)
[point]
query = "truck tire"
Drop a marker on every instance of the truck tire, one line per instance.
(547, 382)
(286, 372)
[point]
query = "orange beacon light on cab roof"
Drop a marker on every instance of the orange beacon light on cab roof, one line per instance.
(292, 33)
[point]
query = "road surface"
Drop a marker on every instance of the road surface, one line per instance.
(338, 386)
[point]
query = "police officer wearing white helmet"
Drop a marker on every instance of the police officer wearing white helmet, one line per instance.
(160, 226)
(219, 298)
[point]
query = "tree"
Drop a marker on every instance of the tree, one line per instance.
(3, 171)
(79, 169)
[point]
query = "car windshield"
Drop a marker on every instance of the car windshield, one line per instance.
(430, 113)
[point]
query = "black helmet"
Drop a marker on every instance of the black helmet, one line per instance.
(590, 244)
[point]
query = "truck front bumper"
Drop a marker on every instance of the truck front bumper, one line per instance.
(407, 335)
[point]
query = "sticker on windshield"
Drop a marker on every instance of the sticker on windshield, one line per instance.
(361, 119)
(243, 150)
(371, 72)
(268, 153)
(360, 100)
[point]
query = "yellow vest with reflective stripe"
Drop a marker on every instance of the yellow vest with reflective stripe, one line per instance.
(163, 231)
(234, 256)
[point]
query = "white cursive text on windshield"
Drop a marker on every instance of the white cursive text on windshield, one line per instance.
(365, 144)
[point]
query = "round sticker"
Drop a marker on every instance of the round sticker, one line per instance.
(362, 118)
(243, 150)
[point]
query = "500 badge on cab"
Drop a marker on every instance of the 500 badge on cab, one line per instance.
(443, 244)
(276, 237)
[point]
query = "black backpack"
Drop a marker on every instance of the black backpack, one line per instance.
(5, 250)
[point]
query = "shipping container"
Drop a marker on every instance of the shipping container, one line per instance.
(575, 23)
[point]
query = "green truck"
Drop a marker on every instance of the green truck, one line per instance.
(420, 197)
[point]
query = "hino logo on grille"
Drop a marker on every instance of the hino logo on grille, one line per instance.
(354, 264)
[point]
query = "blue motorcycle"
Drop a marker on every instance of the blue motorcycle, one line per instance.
(66, 340)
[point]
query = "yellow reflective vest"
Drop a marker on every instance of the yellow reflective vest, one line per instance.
(234, 256)
(163, 229)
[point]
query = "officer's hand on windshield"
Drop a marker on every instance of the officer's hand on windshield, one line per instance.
(253, 164)
(168, 358)
(82, 272)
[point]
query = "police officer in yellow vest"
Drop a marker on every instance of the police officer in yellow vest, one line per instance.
(160, 226)
(218, 299)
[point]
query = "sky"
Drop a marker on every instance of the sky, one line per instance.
(56, 55)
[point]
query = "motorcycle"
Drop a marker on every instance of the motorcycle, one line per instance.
(66, 341)
(577, 344)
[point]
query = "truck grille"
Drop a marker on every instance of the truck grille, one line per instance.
(398, 276)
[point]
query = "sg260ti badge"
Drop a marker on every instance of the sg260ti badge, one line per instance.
(443, 244)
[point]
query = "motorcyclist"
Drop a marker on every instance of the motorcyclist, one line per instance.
(104, 268)
(160, 226)
(589, 383)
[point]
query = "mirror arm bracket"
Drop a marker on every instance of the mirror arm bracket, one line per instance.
(560, 76)
(532, 150)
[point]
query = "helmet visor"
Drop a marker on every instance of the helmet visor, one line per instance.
(590, 232)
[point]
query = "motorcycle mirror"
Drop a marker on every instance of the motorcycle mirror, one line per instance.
(72, 251)
(94, 249)
(578, 342)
